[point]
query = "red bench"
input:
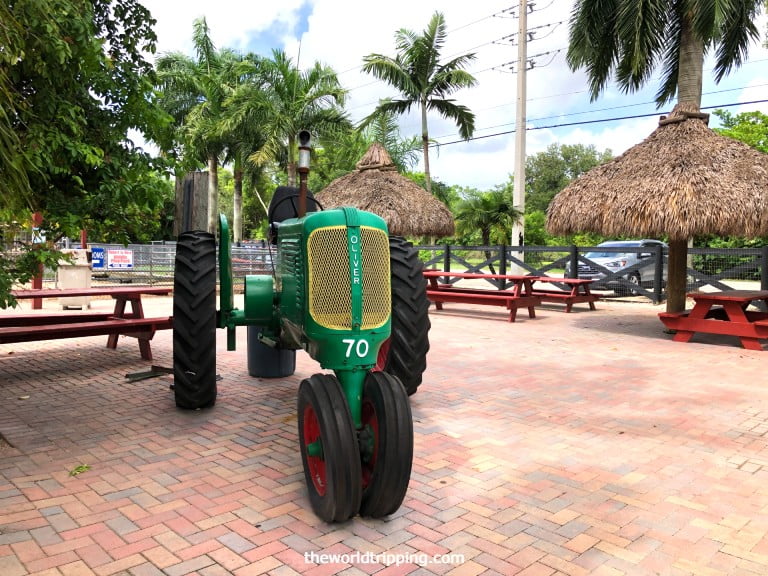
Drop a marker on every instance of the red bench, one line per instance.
(517, 296)
(34, 327)
(578, 291)
(722, 313)
(141, 328)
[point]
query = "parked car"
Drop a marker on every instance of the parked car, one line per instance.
(616, 261)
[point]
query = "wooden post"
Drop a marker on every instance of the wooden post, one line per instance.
(191, 203)
(37, 281)
(677, 275)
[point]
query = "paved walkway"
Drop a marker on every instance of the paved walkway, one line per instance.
(569, 444)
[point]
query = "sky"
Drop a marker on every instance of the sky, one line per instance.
(339, 33)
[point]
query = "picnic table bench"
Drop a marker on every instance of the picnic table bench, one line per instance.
(32, 327)
(575, 290)
(723, 312)
(517, 295)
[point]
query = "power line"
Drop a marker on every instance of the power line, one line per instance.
(494, 15)
(585, 122)
(598, 109)
(451, 31)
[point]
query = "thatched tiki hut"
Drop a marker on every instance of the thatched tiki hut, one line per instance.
(377, 186)
(682, 181)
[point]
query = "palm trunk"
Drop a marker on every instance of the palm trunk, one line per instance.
(292, 167)
(237, 206)
(255, 191)
(213, 193)
(688, 96)
(425, 144)
(486, 237)
(691, 70)
(292, 174)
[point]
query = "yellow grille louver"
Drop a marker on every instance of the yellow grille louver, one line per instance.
(330, 284)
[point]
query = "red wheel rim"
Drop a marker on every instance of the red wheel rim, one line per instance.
(381, 359)
(315, 464)
(371, 422)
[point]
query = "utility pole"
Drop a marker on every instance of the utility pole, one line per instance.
(518, 198)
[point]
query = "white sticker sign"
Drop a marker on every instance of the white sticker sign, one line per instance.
(122, 259)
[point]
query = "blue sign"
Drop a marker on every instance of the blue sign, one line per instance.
(97, 258)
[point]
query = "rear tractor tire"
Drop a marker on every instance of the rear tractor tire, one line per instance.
(404, 355)
(194, 321)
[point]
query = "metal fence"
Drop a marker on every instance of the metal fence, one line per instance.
(153, 264)
(709, 268)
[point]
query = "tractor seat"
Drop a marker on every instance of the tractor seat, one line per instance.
(285, 205)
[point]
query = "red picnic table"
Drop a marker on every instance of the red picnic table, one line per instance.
(519, 294)
(34, 326)
(723, 312)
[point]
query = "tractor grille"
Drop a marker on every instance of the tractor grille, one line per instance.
(330, 285)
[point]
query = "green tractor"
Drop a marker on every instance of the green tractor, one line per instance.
(355, 300)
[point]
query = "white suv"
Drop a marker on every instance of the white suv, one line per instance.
(615, 261)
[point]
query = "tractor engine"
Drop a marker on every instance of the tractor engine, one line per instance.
(331, 292)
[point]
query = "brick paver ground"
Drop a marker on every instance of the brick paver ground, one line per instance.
(568, 444)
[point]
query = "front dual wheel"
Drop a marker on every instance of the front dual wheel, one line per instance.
(386, 444)
(350, 471)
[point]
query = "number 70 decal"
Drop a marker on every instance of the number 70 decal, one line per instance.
(359, 347)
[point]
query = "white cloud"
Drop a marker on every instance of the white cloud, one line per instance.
(232, 22)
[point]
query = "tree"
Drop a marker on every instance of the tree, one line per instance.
(16, 193)
(334, 157)
(193, 93)
(383, 128)
(448, 195)
(74, 80)
(291, 100)
(748, 127)
(491, 213)
(631, 39)
(548, 172)
(80, 83)
(243, 133)
(423, 81)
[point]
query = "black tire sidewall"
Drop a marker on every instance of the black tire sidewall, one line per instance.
(394, 458)
(343, 490)
(194, 321)
(409, 338)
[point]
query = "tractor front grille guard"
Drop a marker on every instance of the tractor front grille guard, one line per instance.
(330, 281)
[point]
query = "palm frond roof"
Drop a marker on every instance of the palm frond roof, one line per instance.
(376, 186)
(682, 181)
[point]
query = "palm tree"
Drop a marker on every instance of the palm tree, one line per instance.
(384, 129)
(291, 100)
(417, 73)
(242, 131)
(193, 93)
(492, 213)
(630, 39)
